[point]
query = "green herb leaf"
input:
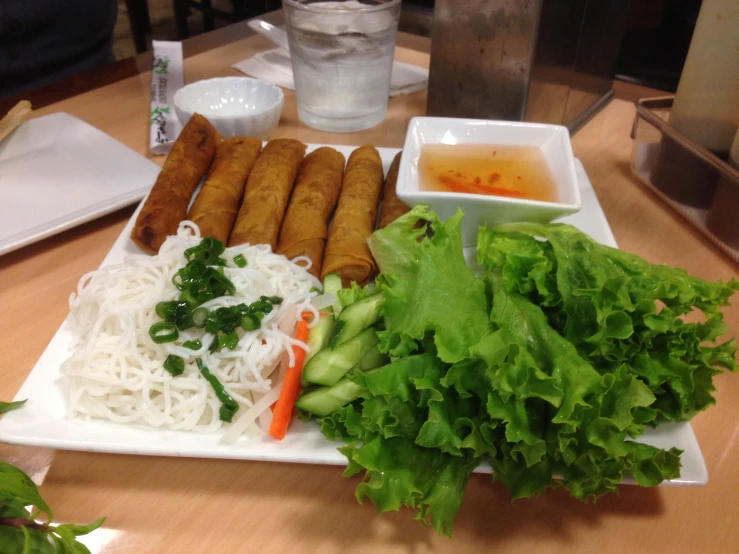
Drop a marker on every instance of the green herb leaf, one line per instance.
(15, 483)
(24, 540)
(20, 533)
(79, 530)
(6, 407)
(12, 507)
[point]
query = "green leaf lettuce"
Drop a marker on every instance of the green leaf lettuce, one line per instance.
(546, 366)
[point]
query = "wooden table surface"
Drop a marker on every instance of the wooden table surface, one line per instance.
(174, 505)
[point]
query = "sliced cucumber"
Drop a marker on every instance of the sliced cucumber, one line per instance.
(355, 319)
(324, 400)
(319, 334)
(328, 366)
(372, 358)
(332, 284)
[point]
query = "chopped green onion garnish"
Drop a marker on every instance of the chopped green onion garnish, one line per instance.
(208, 252)
(259, 316)
(174, 364)
(186, 296)
(239, 260)
(215, 345)
(229, 340)
(163, 331)
(261, 306)
(250, 322)
(193, 344)
(229, 406)
(229, 318)
(221, 283)
(274, 299)
(199, 316)
(177, 312)
(199, 283)
(212, 324)
(163, 310)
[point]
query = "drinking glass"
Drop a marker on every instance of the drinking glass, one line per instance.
(342, 57)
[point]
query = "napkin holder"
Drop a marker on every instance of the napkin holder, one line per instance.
(651, 133)
(546, 61)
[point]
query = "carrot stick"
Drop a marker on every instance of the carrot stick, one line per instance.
(290, 386)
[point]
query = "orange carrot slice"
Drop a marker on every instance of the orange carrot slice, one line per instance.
(283, 409)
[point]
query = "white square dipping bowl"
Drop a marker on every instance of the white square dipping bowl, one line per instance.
(479, 209)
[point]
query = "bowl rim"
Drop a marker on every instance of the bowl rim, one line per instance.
(491, 199)
(404, 168)
(280, 102)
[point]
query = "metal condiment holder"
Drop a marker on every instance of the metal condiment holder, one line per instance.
(650, 127)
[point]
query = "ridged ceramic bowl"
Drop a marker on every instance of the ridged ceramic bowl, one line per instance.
(236, 106)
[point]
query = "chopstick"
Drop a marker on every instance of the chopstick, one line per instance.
(17, 115)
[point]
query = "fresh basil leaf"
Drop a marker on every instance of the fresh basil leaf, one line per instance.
(15, 540)
(66, 542)
(79, 530)
(6, 407)
(16, 483)
(12, 507)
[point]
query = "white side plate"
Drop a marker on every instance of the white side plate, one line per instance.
(57, 172)
(42, 421)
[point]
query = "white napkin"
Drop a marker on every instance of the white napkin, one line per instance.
(274, 67)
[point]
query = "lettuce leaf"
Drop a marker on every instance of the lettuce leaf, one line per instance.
(398, 473)
(546, 367)
(618, 310)
(428, 286)
(353, 293)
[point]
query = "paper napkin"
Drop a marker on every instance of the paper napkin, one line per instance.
(274, 67)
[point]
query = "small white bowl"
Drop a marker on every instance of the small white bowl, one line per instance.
(479, 209)
(236, 106)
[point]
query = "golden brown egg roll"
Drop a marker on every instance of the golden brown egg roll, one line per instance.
(185, 166)
(267, 192)
(305, 229)
(218, 201)
(392, 206)
(347, 252)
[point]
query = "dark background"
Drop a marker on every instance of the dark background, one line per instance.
(654, 45)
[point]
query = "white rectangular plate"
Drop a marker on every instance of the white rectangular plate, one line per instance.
(42, 421)
(57, 172)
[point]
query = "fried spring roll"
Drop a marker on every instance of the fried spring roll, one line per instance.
(267, 192)
(217, 204)
(305, 229)
(167, 202)
(347, 252)
(392, 206)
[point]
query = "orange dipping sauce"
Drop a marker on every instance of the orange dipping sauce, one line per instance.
(512, 171)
